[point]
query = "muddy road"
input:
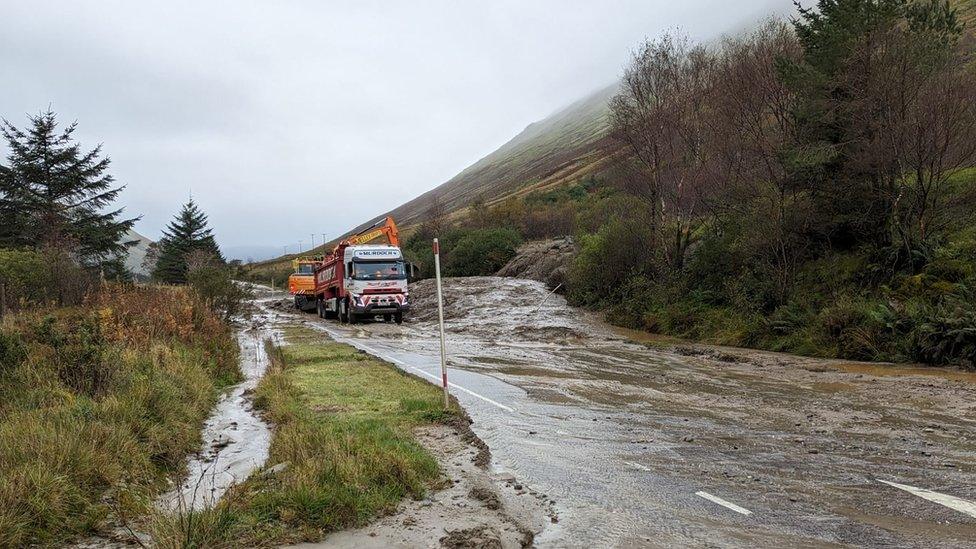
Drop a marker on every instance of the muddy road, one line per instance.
(650, 445)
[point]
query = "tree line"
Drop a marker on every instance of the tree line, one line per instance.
(806, 187)
(60, 228)
(842, 129)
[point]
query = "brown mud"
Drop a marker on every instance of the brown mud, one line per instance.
(624, 434)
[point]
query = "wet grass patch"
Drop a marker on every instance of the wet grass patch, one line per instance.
(99, 404)
(343, 450)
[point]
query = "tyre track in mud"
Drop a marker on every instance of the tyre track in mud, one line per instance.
(626, 437)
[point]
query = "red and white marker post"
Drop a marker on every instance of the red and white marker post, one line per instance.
(440, 320)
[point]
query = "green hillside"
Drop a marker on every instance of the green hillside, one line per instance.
(558, 151)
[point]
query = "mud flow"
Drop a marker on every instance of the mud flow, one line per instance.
(645, 444)
(235, 437)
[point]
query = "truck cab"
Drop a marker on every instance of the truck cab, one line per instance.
(375, 282)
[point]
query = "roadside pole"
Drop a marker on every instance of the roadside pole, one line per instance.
(440, 320)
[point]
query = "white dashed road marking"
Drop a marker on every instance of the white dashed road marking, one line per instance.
(952, 502)
(723, 503)
(638, 466)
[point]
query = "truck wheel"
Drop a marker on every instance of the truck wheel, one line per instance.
(399, 318)
(341, 311)
(298, 304)
(387, 317)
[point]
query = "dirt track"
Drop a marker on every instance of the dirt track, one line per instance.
(641, 444)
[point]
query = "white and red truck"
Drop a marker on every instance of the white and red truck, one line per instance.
(361, 279)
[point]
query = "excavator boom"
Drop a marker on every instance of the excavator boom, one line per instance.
(386, 228)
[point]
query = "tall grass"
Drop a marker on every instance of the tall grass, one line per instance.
(99, 403)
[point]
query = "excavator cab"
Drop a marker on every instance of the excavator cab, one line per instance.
(301, 283)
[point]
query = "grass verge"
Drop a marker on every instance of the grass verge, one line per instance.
(343, 432)
(99, 404)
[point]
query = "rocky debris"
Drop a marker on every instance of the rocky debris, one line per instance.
(481, 537)
(547, 261)
(285, 303)
(499, 307)
(486, 495)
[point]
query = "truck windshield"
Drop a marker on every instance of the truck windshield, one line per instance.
(306, 269)
(379, 270)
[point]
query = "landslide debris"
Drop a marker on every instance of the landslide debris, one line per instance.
(498, 308)
(547, 261)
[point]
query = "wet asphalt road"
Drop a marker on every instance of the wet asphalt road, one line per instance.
(641, 445)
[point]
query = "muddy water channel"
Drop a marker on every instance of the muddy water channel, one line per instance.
(650, 444)
(235, 437)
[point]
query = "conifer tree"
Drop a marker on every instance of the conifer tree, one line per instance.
(54, 194)
(186, 234)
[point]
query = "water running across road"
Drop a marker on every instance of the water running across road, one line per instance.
(643, 446)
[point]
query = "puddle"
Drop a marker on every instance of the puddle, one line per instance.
(236, 439)
(881, 370)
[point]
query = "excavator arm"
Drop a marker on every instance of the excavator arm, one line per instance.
(387, 228)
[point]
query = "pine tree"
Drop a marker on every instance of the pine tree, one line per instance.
(54, 194)
(185, 235)
(862, 67)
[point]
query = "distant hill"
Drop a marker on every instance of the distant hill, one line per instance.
(137, 253)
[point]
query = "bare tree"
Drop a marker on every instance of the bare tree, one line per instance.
(658, 115)
(755, 170)
(912, 106)
(435, 216)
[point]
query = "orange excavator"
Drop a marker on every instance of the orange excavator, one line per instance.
(301, 283)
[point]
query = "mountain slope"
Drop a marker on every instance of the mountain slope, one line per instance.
(559, 149)
(563, 146)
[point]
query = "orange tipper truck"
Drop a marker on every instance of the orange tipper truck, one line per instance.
(364, 277)
(301, 283)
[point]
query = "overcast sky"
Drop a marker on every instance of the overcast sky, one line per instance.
(290, 118)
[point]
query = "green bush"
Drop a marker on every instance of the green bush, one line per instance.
(37, 277)
(480, 252)
(214, 284)
(946, 336)
(861, 330)
(607, 260)
(12, 351)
